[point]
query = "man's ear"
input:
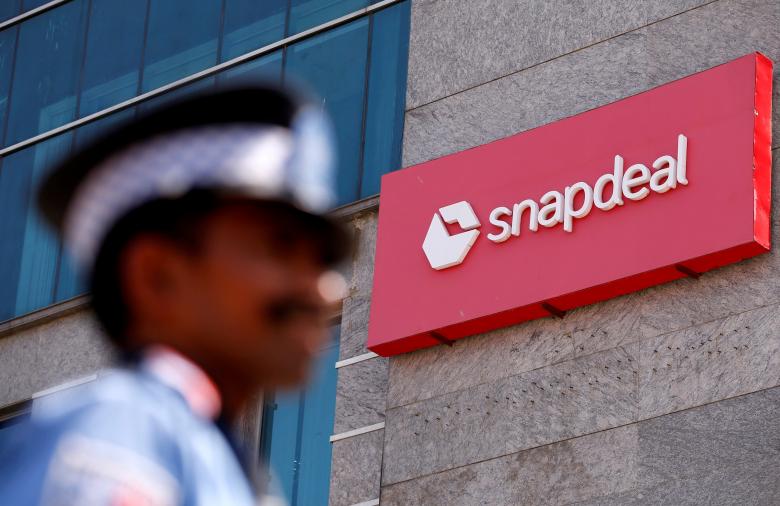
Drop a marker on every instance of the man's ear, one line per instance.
(152, 271)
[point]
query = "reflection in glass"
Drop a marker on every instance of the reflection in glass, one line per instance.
(334, 64)
(173, 53)
(250, 24)
(113, 54)
(8, 9)
(7, 43)
(46, 76)
(29, 251)
(296, 432)
(386, 96)
(269, 68)
(305, 14)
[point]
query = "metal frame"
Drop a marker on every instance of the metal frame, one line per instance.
(357, 432)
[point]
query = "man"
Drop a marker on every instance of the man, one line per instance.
(210, 269)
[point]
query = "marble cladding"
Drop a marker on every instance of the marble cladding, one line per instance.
(476, 42)
(356, 465)
(46, 355)
(639, 380)
(726, 452)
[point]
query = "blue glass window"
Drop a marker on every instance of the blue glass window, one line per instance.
(182, 39)
(112, 59)
(334, 64)
(29, 252)
(305, 14)
(8, 9)
(296, 433)
(386, 95)
(46, 74)
(269, 67)
(7, 44)
(250, 25)
(32, 4)
(12, 426)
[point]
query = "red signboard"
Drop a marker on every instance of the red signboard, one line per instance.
(669, 183)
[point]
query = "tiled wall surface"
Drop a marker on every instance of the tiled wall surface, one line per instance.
(666, 396)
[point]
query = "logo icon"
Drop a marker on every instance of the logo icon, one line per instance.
(444, 250)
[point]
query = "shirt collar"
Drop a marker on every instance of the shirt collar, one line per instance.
(181, 374)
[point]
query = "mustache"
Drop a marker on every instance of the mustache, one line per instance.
(288, 309)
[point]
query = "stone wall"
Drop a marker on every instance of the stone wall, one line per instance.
(666, 396)
(45, 355)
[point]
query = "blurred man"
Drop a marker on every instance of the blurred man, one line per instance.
(210, 269)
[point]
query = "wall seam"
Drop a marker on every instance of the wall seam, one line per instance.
(636, 422)
(562, 55)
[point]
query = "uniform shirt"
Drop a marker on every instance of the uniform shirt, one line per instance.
(137, 436)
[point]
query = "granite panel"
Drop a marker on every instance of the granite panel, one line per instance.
(478, 359)
(475, 42)
(577, 469)
(593, 76)
(737, 487)
(43, 356)
(363, 265)
(726, 452)
(361, 394)
(355, 469)
(356, 306)
(535, 408)
(713, 361)
(354, 326)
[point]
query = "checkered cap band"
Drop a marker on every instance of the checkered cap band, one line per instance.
(261, 160)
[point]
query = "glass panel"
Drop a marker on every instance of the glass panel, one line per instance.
(7, 42)
(8, 9)
(386, 96)
(10, 431)
(283, 451)
(70, 283)
(305, 14)
(32, 4)
(172, 96)
(296, 431)
(173, 52)
(47, 69)
(250, 24)
(89, 132)
(29, 251)
(334, 63)
(318, 415)
(113, 54)
(269, 67)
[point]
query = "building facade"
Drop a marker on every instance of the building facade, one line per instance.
(677, 387)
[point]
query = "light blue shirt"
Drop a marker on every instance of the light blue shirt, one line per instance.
(135, 436)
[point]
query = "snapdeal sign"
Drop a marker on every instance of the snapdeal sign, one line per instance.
(669, 183)
(444, 250)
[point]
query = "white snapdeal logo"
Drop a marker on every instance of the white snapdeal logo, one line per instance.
(554, 207)
(444, 250)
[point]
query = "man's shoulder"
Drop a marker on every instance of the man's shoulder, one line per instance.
(113, 433)
(123, 406)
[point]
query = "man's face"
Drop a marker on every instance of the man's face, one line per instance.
(250, 299)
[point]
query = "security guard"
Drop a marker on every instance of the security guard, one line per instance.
(210, 263)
